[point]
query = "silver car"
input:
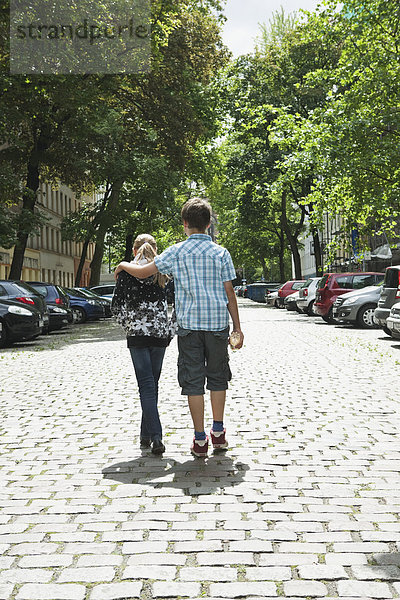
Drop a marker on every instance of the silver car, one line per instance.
(390, 296)
(358, 307)
(393, 321)
(305, 301)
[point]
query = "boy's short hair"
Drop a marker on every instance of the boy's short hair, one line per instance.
(197, 213)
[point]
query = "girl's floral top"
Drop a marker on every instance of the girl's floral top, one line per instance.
(140, 307)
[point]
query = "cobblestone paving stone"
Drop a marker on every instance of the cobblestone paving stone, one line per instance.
(305, 504)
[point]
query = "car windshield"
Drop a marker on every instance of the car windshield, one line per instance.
(86, 293)
(323, 281)
(297, 285)
(42, 289)
(20, 288)
(392, 278)
(307, 283)
(73, 292)
(361, 281)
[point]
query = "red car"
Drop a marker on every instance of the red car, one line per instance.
(335, 284)
(290, 287)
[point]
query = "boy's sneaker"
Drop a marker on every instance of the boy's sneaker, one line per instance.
(218, 440)
(199, 448)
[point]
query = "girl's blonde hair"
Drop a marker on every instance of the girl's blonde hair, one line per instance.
(146, 248)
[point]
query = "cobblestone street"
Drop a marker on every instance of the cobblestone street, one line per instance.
(305, 503)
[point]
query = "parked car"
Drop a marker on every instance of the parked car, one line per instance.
(290, 287)
(242, 291)
(333, 285)
(290, 302)
(393, 321)
(57, 302)
(84, 308)
(358, 307)
(18, 322)
(305, 301)
(390, 295)
(258, 290)
(26, 295)
(105, 291)
(272, 299)
(105, 302)
(271, 289)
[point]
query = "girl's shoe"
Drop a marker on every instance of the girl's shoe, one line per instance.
(199, 448)
(158, 447)
(144, 443)
(218, 440)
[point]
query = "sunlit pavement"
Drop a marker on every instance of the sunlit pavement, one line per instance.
(304, 504)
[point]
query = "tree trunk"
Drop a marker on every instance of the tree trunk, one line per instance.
(264, 268)
(317, 253)
(282, 276)
(79, 272)
(128, 247)
(296, 257)
(292, 238)
(317, 244)
(105, 223)
(41, 144)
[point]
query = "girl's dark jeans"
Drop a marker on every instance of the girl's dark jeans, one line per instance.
(148, 363)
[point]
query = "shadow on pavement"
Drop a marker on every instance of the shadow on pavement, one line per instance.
(194, 476)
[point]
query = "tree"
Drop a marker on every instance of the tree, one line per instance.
(256, 90)
(54, 126)
(352, 140)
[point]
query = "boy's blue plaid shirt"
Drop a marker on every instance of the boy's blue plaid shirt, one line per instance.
(199, 268)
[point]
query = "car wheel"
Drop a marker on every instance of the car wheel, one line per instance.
(387, 330)
(3, 336)
(365, 316)
(79, 314)
(329, 317)
(310, 309)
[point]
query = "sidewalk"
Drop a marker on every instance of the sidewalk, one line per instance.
(305, 504)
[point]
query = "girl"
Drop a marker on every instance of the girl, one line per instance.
(140, 307)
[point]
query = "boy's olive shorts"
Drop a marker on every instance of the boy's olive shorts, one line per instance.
(203, 355)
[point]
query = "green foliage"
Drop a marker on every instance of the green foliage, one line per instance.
(351, 142)
(136, 132)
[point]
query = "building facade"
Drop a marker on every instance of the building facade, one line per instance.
(347, 257)
(47, 257)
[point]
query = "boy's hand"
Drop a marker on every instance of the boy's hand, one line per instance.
(238, 334)
(118, 271)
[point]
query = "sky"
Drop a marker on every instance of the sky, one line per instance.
(243, 17)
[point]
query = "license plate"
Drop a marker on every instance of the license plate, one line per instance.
(41, 323)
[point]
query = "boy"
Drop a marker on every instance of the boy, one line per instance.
(204, 298)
